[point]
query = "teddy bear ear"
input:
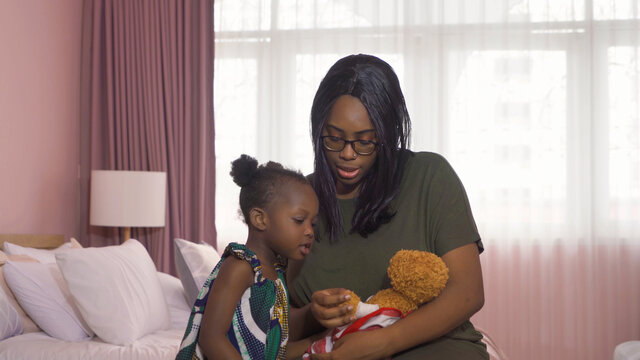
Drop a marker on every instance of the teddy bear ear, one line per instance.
(418, 275)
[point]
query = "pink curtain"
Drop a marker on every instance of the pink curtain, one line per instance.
(147, 104)
(564, 301)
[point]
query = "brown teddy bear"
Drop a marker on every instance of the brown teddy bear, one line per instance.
(416, 278)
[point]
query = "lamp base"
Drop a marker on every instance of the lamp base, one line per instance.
(126, 234)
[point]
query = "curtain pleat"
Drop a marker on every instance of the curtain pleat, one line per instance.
(147, 66)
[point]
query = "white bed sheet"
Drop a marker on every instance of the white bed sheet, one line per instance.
(34, 346)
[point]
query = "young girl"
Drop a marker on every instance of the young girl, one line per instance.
(242, 311)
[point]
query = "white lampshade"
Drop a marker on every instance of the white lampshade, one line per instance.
(128, 198)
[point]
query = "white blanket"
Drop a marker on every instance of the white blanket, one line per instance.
(34, 346)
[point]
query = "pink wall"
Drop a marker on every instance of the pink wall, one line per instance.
(39, 115)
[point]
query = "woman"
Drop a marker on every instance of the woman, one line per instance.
(377, 197)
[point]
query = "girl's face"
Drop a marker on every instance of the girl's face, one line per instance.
(292, 216)
(349, 120)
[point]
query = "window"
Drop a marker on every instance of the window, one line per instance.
(535, 103)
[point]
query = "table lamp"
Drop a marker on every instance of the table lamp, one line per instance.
(127, 199)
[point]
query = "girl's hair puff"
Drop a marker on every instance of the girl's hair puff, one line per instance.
(260, 184)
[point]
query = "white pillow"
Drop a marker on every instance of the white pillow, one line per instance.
(194, 263)
(117, 290)
(42, 255)
(10, 323)
(27, 323)
(173, 291)
(44, 296)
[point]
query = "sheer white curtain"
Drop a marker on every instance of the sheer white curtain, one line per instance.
(535, 103)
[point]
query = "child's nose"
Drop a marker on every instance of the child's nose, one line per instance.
(309, 231)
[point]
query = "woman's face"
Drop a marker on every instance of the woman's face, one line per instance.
(349, 120)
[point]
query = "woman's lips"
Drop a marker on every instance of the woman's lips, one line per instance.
(347, 173)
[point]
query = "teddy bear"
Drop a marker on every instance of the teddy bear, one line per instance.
(417, 277)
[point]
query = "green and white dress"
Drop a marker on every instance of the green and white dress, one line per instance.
(260, 324)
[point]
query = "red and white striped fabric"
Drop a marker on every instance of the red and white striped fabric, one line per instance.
(380, 318)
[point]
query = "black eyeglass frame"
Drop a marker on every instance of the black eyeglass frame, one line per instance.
(350, 142)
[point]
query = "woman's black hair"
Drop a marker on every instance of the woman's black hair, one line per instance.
(376, 85)
(259, 184)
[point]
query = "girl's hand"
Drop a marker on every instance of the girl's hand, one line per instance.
(360, 345)
(328, 308)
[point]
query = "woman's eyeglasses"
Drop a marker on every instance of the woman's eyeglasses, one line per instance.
(361, 147)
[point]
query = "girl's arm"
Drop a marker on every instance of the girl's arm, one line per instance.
(462, 297)
(323, 312)
(295, 349)
(234, 277)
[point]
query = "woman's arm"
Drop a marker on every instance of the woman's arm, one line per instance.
(234, 277)
(462, 297)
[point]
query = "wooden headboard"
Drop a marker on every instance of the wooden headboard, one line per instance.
(38, 241)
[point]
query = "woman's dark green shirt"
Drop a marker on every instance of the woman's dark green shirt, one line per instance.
(432, 214)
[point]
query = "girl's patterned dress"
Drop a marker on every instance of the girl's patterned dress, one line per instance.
(260, 324)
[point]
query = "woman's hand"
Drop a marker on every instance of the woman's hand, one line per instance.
(360, 345)
(328, 308)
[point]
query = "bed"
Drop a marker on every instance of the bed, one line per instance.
(59, 300)
(104, 329)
